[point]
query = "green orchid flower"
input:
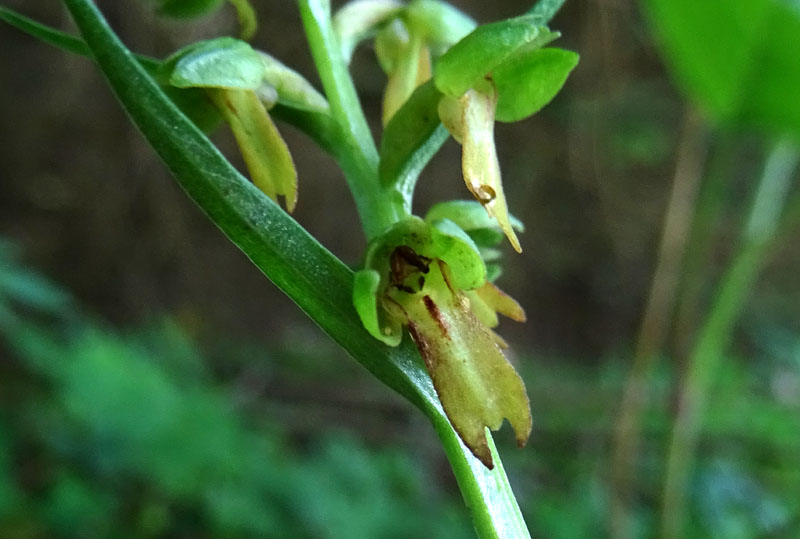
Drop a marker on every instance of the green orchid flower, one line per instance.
(243, 84)
(430, 278)
(497, 72)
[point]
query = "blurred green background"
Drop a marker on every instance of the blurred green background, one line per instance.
(154, 384)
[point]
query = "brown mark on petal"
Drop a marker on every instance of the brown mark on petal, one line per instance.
(423, 345)
(433, 310)
(230, 106)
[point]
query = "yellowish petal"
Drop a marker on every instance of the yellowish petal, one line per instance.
(412, 70)
(501, 302)
(470, 119)
(264, 151)
(475, 383)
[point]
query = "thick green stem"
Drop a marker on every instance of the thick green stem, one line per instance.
(706, 357)
(487, 493)
(357, 153)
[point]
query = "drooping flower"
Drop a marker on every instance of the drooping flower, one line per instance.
(499, 71)
(430, 278)
(243, 84)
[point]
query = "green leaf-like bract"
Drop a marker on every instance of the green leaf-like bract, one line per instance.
(488, 46)
(223, 62)
(529, 81)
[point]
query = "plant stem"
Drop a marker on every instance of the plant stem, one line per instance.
(487, 493)
(310, 275)
(706, 357)
(655, 321)
(357, 153)
(698, 264)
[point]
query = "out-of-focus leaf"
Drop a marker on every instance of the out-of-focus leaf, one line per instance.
(223, 62)
(410, 140)
(529, 81)
(736, 58)
(26, 287)
(485, 48)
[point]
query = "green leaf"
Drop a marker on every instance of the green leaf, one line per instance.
(359, 20)
(737, 60)
(314, 278)
(192, 102)
(487, 47)
(48, 35)
(223, 62)
(529, 81)
(410, 140)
